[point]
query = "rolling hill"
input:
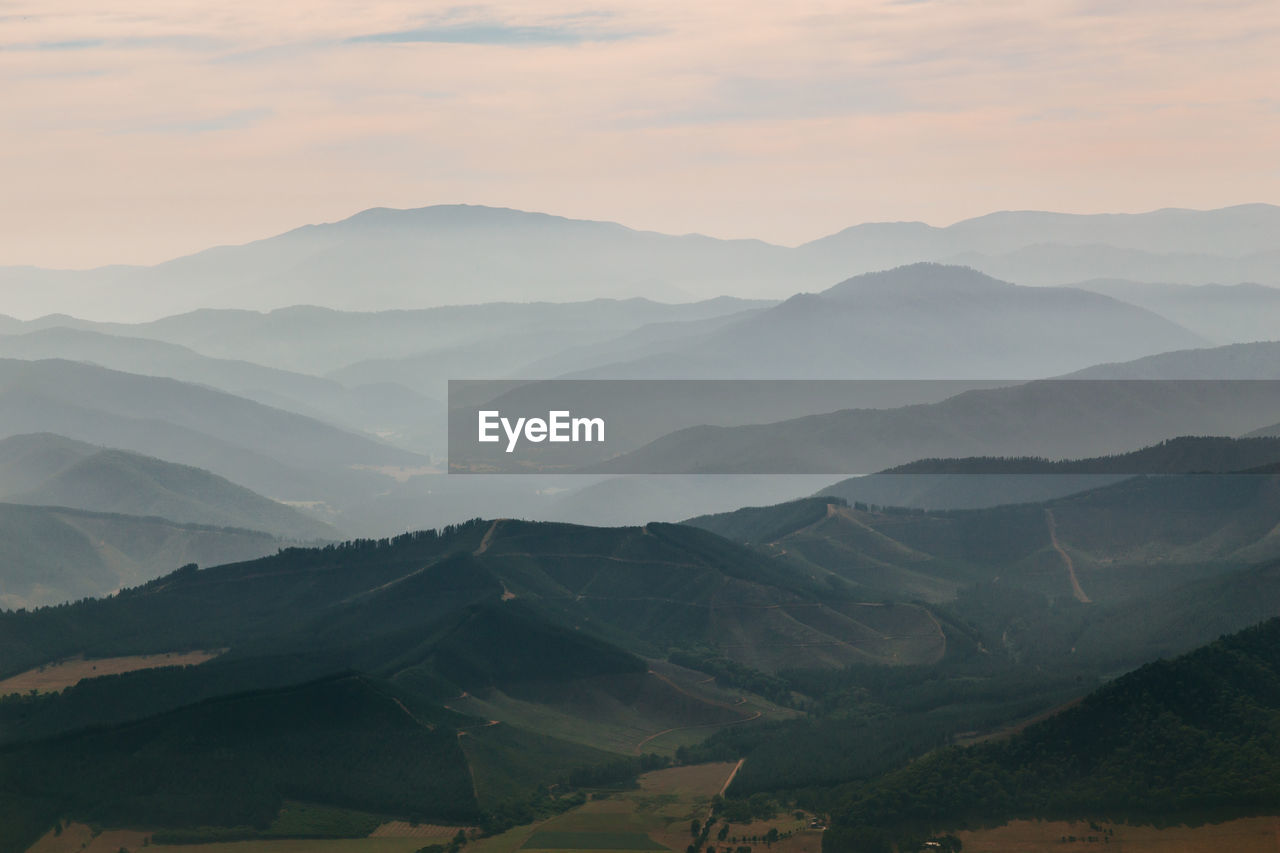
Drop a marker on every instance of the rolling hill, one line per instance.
(1191, 739)
(1256, 361)
(381, 408)
(646, 589)
(1222, 313)
(1117, 541)
(51, 554)
(537, 624)
(922, 321)
(50, 470)
(273, 452)
(979, 482)
(1054, 419)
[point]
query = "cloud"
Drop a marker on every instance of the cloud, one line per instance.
(495, 34)
(67, 44)
(176, 41)
(228, 121)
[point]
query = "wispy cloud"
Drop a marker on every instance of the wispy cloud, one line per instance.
(227, 121)
(65, 44)
(496, 34)
(223, 121)
(176, 42)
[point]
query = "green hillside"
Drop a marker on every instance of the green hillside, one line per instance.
(1192, 738)
(1129, 538)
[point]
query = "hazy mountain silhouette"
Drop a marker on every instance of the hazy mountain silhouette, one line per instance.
(50, 470)
(392, 411)
(273, 452)
(384, 258)
(1051, 418)
(924, 321)
(56, 554)
(1237, 361)
(1222, 313)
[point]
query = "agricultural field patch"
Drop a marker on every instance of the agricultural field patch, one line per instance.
(557, 840)
(81, 838)
(422, 831)
(694, 780)
(54, 677)
(1247, 835)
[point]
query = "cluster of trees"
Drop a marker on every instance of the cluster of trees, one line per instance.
(729, 673)
(1178, 740)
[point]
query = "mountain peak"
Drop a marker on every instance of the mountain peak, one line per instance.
(920, 278)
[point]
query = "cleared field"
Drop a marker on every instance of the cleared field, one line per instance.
(553, 840)
(423, 831)
(53, 677)
(657, 712)
(295, 845)
(1248, 835)
(696, 780)
(79, 838)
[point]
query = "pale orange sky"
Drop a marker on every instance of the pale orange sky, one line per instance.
(152, 128)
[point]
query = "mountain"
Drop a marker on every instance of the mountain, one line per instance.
(1055, 264)
(345, 741)
(50, 470)
(985, 481)
(1222, 313)
(535, 626)
(381, 408)
(1255, 361)
(417, 258)
(1054, 419)
(1229, 232)
(313, 340)
(923, 321)
(277, 453)
(1012, 571)
(1189, 739)
(383, 258)
(647, 589)
(53, 554)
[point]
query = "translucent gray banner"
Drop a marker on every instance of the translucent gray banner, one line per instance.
(855, 427)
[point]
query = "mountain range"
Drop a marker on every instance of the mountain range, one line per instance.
(274, 452)
(50, 470)
(383, 258)
(921, 321)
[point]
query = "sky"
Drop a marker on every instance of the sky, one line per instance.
(140, 130)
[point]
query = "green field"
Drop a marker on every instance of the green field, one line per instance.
(551, 840)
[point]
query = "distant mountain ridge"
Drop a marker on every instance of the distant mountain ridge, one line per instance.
(425, 256)
(50, 470)
(1051, 418)
(277, 453)
(49, 555)
(920, 321)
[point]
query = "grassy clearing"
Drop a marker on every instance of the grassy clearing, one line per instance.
(421, 831)
(80, 838)
(655, 713)
(693, 781)
(294, 845)
(53, 677)
(552, 840)
(1248, 835)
